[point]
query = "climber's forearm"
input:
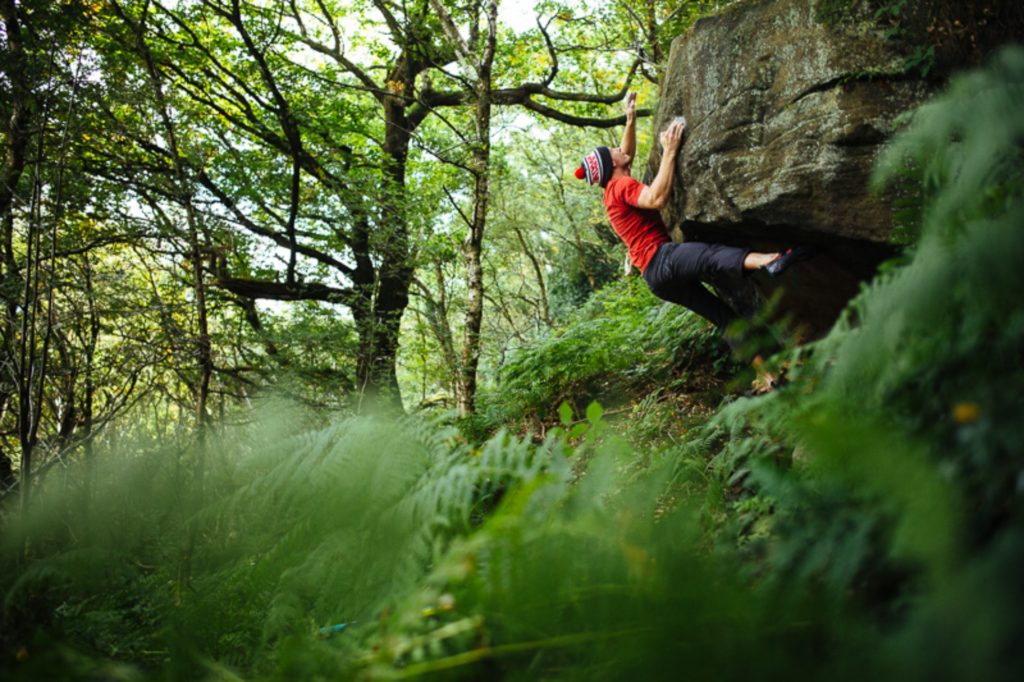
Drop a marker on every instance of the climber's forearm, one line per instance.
(628, 144)
(656, 195)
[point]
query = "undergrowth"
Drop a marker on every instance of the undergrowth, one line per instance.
(623, 344)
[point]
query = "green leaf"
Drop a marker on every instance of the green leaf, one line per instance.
(565, 414)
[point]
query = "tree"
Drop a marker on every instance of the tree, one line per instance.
(476, 57)
(41, 87)
(80, 345)
(344, 133)
(476, 52)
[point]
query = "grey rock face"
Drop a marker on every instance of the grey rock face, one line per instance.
(786, 117)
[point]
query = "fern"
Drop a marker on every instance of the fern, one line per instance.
(623, 337)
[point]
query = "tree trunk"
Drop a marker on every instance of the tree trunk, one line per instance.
(437, 319)
(17, 124)
(378, 323)
(90, 386)
(203, 348)
(6, 472)
(14, 162)
(473, 245)
(471, 251)
(31, 366)
(8, 271)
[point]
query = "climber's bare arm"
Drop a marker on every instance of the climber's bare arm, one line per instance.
(657, 193)
(628, 145)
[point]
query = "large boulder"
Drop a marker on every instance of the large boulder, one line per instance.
(786, 116)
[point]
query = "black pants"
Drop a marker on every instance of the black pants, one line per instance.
(676, 271)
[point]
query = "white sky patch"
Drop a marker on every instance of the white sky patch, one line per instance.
(518, 14)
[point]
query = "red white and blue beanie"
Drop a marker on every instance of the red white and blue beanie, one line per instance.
(596, 167)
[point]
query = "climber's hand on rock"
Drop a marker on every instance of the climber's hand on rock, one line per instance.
(672, 137)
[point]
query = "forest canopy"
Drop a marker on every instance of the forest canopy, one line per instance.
(209, 199)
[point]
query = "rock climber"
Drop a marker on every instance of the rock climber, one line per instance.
(673, 271)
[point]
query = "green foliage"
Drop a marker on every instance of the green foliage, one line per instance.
(297, 531)
(833, 13)
(623, 336)
(570, 285)
(891, 464)
(895, 16)
(582, 583)
(302, 531)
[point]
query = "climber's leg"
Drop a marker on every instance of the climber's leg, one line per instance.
(675, 271)
(697, 260)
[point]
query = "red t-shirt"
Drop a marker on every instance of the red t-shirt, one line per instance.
(641, 228)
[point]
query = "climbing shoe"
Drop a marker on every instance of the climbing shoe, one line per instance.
(787, 258)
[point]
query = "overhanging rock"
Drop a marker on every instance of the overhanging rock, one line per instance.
(785, 119)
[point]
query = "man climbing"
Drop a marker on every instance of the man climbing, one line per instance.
(673, 271)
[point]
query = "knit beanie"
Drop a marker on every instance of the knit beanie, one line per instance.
(596, 167)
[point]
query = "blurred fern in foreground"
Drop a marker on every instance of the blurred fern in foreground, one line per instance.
(892, 469)
(299, 531)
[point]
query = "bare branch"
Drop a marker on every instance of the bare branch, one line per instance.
(636, 17)
(279, 239)
(492, 36)
(371, 85)
(197, 43)
(468, 222)
(329, 20)
(283, 291)
(581, 121)
(528, 89)
(551, 51)
(389, 18)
